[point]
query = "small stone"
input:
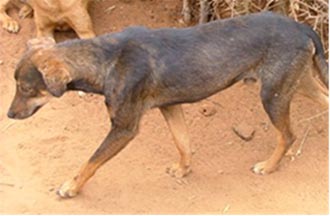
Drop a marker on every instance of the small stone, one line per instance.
(1, 62)
(81, 94)
(244, 131)
(207, 110)
(265, 126)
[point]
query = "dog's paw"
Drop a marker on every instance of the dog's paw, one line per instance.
(10, 25)
(263, 168)
(68, 190)
(178, 171)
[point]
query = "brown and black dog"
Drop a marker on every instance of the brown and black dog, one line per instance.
(50, 15)
(139, 69)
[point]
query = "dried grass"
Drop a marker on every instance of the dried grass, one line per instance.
(312, 12)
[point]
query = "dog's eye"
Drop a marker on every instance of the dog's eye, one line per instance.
(26, 89)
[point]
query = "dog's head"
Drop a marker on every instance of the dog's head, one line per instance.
(39, 75)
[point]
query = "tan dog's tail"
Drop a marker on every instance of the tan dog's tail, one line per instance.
(319, 56)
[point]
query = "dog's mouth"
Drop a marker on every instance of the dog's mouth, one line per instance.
(35, 110)
(23, 115)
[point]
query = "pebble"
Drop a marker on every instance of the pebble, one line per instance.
(244, 131)
(207, 110)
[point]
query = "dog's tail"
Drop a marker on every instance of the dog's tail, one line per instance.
(319, 56)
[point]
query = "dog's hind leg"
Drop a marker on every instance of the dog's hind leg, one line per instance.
(44, 26)
(175, 120)
(281, 78)
(279, 83)
(311, 88)
(116, 140)
(277, 107)
(81, 22)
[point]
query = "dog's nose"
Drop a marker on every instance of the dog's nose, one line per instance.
(11, 114)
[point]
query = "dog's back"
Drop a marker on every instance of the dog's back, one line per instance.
(219, 53)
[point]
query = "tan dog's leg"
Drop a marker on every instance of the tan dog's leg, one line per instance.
(81, 22)
(204, 11)
(186, 11)
(44, 26)
(175, 121)
(7, 22)
(25, 11)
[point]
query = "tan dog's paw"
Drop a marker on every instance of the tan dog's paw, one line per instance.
(186, 16)
(10, 25)
(263, 168)
(25, 12)
(178, 171)
(68, 189)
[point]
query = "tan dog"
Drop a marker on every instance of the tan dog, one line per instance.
(52, 14)
(60, 14)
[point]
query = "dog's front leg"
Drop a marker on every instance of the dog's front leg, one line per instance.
(116, 140)
(175, 121)
(186, 11)
(25, 11)
(204, 11)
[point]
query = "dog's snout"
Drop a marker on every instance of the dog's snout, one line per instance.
(11, 114)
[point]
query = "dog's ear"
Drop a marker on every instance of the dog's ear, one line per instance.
(54, 71)
(43, 42)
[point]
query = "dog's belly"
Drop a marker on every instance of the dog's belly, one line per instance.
(62, 26)
(194, 89)
(192, 81)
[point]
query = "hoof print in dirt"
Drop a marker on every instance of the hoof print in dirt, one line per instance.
(207, 110)
(244, 131)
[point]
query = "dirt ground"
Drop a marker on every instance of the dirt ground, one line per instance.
(38, 154)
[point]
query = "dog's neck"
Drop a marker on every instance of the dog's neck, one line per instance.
(89, 67)
(86, 83)
(87, 76)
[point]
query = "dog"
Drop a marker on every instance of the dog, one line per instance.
(51, 15)
(139, 69)
(9, 23)
(62, 14)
